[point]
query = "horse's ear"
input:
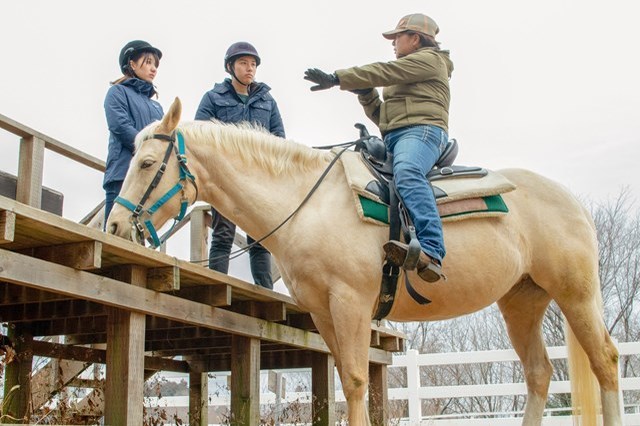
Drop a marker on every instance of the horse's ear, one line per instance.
(171, 118)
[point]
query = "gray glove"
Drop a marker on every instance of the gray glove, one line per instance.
(322, 79)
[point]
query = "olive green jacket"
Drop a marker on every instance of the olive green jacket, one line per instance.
(416, 89)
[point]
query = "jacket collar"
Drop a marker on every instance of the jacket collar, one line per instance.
(256, 88)
(140, 86)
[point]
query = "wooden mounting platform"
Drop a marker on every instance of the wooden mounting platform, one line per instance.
(58, 277)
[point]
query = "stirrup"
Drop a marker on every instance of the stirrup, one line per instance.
(413, 251)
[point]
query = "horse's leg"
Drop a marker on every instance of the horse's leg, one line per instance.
(523, 309)
(351, 324)
(589, 330)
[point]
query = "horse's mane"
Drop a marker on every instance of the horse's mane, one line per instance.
(252, 143)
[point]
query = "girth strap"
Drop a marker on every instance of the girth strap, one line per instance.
(398, 219)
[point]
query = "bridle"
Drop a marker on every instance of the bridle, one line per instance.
(138, 211)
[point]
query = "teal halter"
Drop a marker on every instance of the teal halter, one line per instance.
(139, 210)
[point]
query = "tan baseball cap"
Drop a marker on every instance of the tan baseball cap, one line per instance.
(415, 22)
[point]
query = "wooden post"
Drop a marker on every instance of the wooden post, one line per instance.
(378, 395)
(198, 236)
(323, 412)
(17, 382)
(198, 397)
(245, 381)
(125, 357)
(30, 166)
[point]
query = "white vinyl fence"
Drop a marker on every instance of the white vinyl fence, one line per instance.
(414, 392)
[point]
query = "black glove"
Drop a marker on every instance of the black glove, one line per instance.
(361, 91)
(322, 79)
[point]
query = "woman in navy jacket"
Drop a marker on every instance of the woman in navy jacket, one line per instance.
(129, 108)
(237, 99)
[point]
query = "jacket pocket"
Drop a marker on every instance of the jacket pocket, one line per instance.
(228, 110)
(261, 113)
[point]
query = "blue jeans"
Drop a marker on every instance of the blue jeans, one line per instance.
(222, 237)
(111, 191)
(415, 150)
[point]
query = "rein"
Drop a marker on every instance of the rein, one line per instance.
(138, 210)
(241, 251)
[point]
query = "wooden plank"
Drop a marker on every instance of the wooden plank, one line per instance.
(84, 255)
(125, 358)
(7, 226)
(164, 279)
(30, 167)
(323, 390)
(245, 381)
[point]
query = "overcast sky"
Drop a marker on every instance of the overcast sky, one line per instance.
(552, 86)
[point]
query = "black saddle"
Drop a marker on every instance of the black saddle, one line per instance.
(380, 163)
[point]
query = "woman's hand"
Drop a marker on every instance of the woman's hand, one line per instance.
(322, 79)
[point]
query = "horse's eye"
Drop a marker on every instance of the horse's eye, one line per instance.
(147, 163)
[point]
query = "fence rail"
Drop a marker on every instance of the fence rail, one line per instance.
(414, 393)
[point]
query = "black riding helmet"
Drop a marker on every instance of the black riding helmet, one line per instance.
(133, 47)
(241, 48)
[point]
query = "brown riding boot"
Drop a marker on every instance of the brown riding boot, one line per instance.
(428, 269)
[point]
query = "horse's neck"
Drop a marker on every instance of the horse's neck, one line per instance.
(246, 192)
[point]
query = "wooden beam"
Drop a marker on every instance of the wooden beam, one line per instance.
(44, 311)
(30, 166)
(70, 326)
(98, 356)
(11, 294)
(303, 321)
(164, 279)
(323, 410)
(392, 343)
(212, 295)
(125, 358)
(270, 311)
(84, 255)
(36, 273)
(7, 226)
(245, 381)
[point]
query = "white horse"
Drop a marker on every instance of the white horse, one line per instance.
(544, 249)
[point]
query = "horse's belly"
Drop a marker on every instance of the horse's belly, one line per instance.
(448, 299)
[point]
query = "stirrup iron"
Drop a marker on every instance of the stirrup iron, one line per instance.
(413, 251)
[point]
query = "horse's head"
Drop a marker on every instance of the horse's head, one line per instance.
(158, 185)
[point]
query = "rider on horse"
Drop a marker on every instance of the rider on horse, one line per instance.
(413, 119)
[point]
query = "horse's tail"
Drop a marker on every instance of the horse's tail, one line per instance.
(585, 390)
